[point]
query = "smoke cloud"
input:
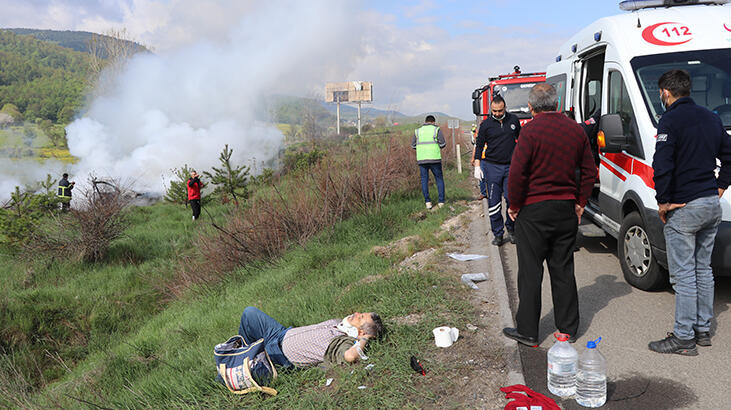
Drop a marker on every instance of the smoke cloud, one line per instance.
(181, 106)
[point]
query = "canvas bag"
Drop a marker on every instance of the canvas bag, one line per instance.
(244, 368)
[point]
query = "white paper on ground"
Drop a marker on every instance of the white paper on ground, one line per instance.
(469, 279)
(465, 257)
(328, 382)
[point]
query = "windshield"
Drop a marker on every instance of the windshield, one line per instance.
(515, 95)
(710, 73)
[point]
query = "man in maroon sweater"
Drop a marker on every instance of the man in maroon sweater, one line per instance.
(546, 203)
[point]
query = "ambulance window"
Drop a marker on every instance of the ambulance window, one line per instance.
(559, 83)
(619, 103)
(593, 98)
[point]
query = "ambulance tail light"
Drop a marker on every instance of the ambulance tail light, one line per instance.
(631, 5)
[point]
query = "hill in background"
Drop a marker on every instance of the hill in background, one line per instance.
(75, 40)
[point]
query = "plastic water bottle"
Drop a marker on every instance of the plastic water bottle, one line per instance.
(562, 361)
(591, 378)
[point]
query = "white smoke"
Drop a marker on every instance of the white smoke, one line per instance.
(182, 106)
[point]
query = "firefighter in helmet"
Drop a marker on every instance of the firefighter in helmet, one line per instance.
(64, 191)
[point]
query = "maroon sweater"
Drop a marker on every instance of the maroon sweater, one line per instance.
(549, 151)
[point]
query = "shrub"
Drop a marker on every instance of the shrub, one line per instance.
(229, 180)
(177, 191)
(25, 209)
(87, 231)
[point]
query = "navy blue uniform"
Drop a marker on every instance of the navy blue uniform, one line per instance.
(689, 139)
(500, 138)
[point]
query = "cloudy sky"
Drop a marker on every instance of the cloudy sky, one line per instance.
(421, 55)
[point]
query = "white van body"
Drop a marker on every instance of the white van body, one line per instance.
(614, 64)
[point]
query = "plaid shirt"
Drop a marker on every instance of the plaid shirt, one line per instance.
(306, 346)
(549, 151)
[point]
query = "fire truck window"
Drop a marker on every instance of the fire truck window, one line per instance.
(620, 103)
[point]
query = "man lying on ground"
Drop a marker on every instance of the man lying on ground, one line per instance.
(333, 341)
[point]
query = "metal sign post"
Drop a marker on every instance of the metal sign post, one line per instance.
(453, 125)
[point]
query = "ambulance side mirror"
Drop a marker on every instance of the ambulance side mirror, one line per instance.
(611, 126)
(476, 109)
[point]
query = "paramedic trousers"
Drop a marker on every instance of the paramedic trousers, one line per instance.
(435, 169)
(496, 176)
(256, 325)
(690, 233)
(546, 231)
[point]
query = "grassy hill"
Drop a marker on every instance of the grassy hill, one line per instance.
(112, 334)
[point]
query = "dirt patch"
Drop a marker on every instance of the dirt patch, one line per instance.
(418, 260)
(409, 320)
(469, 373)
(400, 246)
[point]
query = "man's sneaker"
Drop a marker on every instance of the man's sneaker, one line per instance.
(441, 204)
(498, 240)
(703, 338)
(512, 333)
(511, 237)
(428, 205)
(672, 344)
(481, 197)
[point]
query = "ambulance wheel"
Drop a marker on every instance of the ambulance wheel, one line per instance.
(639, 264)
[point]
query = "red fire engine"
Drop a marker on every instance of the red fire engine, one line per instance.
(514, 88)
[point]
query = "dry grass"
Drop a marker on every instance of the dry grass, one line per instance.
(332, 190)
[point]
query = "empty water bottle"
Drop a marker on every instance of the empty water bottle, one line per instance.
(562, 361)
(591, 378)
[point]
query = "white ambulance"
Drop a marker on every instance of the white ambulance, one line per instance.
(613, 65)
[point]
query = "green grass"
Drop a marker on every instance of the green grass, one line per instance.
(119, 346)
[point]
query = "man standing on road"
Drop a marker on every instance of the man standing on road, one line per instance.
(689, 140)
(64, 191)
(546, 202)
(194, 194)
(498, 133)
(428, 141)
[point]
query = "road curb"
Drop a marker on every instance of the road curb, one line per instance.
(512, 354)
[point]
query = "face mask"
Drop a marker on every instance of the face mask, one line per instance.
(498, 118)
(662, 101)
(347, 328)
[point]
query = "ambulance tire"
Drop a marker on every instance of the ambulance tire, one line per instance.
(639, 263)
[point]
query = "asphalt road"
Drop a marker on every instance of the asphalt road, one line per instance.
(627, 319)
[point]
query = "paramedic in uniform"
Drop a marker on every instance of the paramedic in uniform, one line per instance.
(498, 133)
(689, 140)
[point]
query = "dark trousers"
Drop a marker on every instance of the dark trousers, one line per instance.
(435, 169)
(256, 325)
(195, 205)
(496, 176)
(546, 231)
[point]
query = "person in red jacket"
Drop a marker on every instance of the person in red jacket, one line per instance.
(194, 194)
(546, 202)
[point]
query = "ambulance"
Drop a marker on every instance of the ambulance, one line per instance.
(613, 66)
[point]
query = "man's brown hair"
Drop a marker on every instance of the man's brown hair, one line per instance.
(677, 82)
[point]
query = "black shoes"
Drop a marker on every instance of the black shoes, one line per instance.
(703, 338)
(498, 240)
(672, 344)
(511, 237)
(512, 333)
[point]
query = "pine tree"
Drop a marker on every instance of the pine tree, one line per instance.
(230, 180)
(177, 191)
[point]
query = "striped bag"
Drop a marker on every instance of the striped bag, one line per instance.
(244, 368)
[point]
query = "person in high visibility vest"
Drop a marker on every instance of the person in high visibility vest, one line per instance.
(64, 191)
(428, 141)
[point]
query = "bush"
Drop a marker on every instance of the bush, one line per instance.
(25, 209)
(330, 192)
(302, 160)
(177, 191)
(88, 230)
(229, 180)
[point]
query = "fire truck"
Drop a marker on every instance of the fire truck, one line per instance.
(514, 88)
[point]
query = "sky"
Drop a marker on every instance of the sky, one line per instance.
(421, 55)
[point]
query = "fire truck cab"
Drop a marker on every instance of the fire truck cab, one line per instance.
(613, 65)
(514, 89)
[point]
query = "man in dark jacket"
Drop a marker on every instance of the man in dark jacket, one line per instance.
(546, 202)
(194, 194)
(498, 135)
(64, 191)
(689, 140)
